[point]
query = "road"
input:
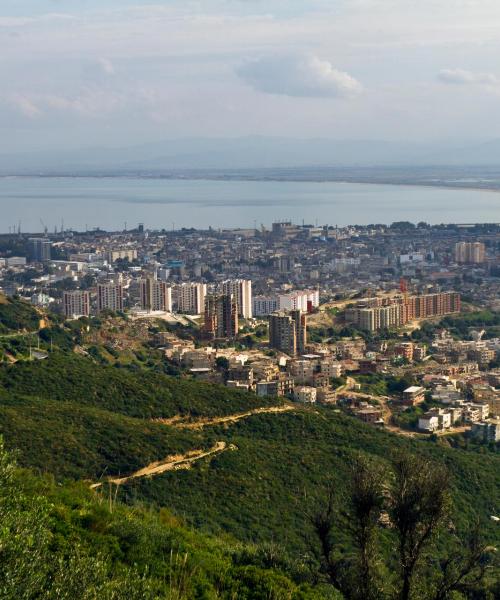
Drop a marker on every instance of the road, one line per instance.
(186, 423)
(171, 463)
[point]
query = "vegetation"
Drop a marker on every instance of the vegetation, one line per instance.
(461, 325)
(283, 465)
(17, 315)
(76, 419)
(141, 394)
(395, 517)
(63, 543)
(383, 385)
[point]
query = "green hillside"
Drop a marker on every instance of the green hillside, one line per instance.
(17, 315)
(76, 419)
(78, 441)
(283, 465)
(141, 394)
(64, 543)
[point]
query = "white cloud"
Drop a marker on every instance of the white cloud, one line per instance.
(301, 76)
(463, 77)
(25, 106)
(106, 66)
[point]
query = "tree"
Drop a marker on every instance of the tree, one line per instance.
(222, 363)
(394, 516)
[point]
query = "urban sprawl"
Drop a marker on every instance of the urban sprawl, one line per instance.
(365, 318)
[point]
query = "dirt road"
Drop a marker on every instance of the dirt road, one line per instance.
(171, 463)
(185, 423)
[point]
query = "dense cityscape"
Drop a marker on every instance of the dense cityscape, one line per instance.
(310, 313)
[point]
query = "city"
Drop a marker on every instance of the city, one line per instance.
(313, 314)
(249, 300)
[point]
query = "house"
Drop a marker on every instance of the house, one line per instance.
(413, 395)
(305, 394)
(435, 419)
(487, 431)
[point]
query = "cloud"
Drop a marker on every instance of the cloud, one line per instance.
(25, 106)
(106, 66)
(462, 77)
(299, 76)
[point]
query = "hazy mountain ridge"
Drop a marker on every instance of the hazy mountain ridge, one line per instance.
(254, 153)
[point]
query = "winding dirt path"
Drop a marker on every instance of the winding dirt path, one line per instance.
(171, 463)
(185, 423)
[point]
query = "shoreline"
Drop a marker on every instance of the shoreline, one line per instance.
(256, 179)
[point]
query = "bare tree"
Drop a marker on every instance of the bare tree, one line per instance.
(356, 577)
(419, 503)
(412, 500)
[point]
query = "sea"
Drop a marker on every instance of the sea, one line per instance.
(115, 203)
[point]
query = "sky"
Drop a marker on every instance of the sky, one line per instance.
(84, 73)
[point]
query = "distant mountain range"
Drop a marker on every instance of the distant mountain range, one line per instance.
(252, 153)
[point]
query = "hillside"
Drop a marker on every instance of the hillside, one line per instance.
(141, 394)
(17, 315)
(69, 542)
(217, 459)
(283, 466)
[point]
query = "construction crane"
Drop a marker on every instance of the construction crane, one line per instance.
(45, 228)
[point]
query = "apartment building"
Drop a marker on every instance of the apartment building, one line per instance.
(76, 304)
(262, 306)
(191, 298)
(304, 300)
(39, 249)
(241, 290)
(288, 331)
(470, 252)
(371, 315)
(155, 295)
(221, 316)
(109, 296)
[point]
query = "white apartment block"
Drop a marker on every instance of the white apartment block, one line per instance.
(241, 289)
(299, 300)
(265, 305)
(191, 298)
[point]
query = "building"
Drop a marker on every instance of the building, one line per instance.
(413, 395)
(435, 419)
(304, 300)
(155, 295)
(305, 394)
(470, 252)
(40, 249)
(262, 306)
(76, 304)
(282, 386)
(41, 299)
(487, 431)
(15, 261)
(125, 254)
(191, 298)
(404, 350)
(109, 296)
(371, 315)
(221, 316)
(241, 290)
(288, 332)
